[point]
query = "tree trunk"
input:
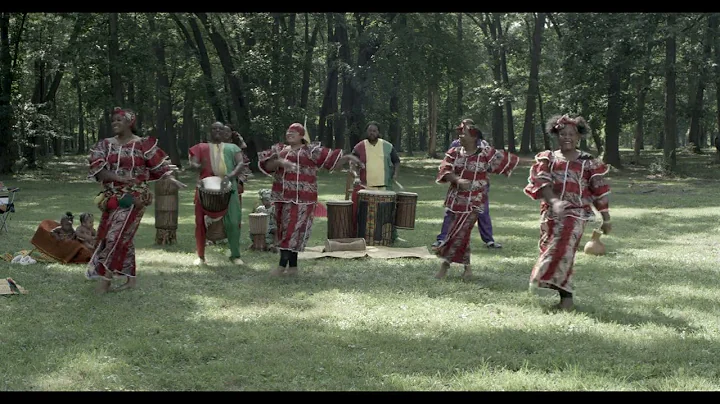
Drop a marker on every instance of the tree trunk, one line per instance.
(532, 83)
(614, 111)
(696, 115)
(346, 103)
(241, 110)
(307, 65)
(394, 127)
(432, 100)
(459, 82)
(81, 149)
(328, 109)
(506, 83)
(670, 95)
(546, 137)
(410, 120)
(8, 146)
(716, 46)
(289, 75)
(204, 60)
(116, 86)
(498, 137)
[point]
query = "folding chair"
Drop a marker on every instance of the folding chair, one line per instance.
(7, 206)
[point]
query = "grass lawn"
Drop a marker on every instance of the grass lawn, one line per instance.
(647, 315)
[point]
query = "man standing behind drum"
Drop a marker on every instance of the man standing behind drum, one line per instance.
(216, 158)
(381, 167)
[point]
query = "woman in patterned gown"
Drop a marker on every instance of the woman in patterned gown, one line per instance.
(569, 182)
(124, 165)
(466, 168)
(294, 167)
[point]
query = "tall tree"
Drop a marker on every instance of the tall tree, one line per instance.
(670, 93)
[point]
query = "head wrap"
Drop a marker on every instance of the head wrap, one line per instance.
(264, 194)
(129, 115)
(564, 121)
(299, 128)
(470, 124)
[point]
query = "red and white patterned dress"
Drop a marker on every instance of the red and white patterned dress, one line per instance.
(139, 162)
(294, 193)
(464, 206)
(582, 184)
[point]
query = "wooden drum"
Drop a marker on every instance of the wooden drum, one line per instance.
(406, 210)
(212, 195)
(258, 229)
(376, 216)
(340, 223)
(166, 212)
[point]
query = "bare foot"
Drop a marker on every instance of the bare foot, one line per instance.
(199, 261)
(237, 261)
(291, 271)
(129, 284)
(103, 287)
(467, 274)
(443, 270)
(277, 272)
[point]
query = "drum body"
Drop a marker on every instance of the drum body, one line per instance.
(406, 210)
(166, 205)
(340, 223)
(216, 231)
(213, 197)
(376, 216)
(259, 223)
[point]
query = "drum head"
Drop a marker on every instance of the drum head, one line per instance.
(258, 214)
(213, 183)
(413, 194)
(379, 193)
(343, 203)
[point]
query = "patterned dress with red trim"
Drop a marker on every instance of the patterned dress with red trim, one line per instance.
(294, 192)
(464, 206)
(140, 161)
(582, 184)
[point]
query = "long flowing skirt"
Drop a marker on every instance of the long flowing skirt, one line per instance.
(559, 241)
(294, 223)
(115, 252)
(456, 246)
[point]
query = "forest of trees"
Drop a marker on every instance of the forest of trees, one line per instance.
(643, 80)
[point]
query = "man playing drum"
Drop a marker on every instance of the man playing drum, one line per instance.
(224, 160)
(381, 167)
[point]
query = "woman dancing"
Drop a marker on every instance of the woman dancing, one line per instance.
(569, 182)
(294, 167)
(466, 168)
(123, 164)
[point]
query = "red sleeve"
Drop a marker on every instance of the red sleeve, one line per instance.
(539, 175)
(599, 187)
(446, 166)
(324, 157)
(501, 162)
(97, 159)
(266, 156)
(156, 160)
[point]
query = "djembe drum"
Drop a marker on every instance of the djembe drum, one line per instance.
(405, 211)
(340, 223)
(215, 200)
(376, 216)
(166, 212)
(258, 229)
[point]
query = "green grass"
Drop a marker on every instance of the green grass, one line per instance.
(647, 314)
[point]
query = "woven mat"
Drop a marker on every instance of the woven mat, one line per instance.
(381, 252)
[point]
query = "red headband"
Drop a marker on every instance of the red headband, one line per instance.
(297, 127)
(129, 116)
(564, 120)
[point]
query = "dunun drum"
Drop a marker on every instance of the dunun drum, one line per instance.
(212, 196)
(376, 216)
(258, 228)
(166, 212)
(406, 210)
(340, 221)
